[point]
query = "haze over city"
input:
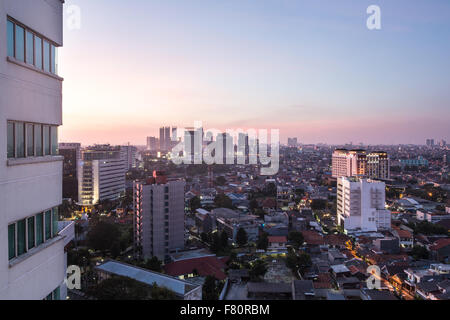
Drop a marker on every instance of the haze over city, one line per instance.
(312, 70)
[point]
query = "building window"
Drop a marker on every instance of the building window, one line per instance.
(46, 56)
(38, 49)
(30, 140)
(39, 229)
(21, 237)
(20, 43)
(29, 233)
(54, 222)
(10, 38)
(27, 46)
(10, 134)
(20, 139)
(54, 140)
(48, 225)
(36, 139)
(12, 241)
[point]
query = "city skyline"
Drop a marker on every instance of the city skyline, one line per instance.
(279, 65)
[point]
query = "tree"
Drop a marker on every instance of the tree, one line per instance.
(121, 288)
(258, 269)
(195, 204)
(253, 205)
(419, 252)
(241, 237)
(153, 264)
(223, 201)
(103, 235)
(210, 289)
(263, 241)
(296, 238)
(224, 240)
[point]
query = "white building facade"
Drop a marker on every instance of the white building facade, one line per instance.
(32, 240)
(361, 205)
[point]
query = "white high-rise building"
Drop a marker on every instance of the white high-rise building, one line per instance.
(101, 175)
(33, 261)
(159, 222)
(361, 205)
(129, 155)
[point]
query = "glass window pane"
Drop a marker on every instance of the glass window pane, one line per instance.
(10, 37)
(21, 248)
(11, 241)
(39, 229)
(38, 139)
(20, 43)
(30, 48)
(46, 56)
(54, 137)
(30, 140)
(20, 139)
(46, 140)
(38, 49)
(10, 139)
(48, 225)
(55, 219)
(30, 232)
(53, 59)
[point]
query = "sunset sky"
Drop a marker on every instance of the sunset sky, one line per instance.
(309, 68)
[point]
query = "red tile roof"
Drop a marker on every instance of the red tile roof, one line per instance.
(205, 266)
(277, 239)
(439, 244)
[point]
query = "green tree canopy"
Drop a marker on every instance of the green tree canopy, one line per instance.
(241, 237)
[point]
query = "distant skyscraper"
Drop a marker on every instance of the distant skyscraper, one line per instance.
(159, 221)
(361, 205)
(162, 139)
(430, 143)
(101, 175)
(359, 163)
(72, 155)
(168, 139)
(152, 144)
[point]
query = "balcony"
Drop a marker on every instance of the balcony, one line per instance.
(66, 229)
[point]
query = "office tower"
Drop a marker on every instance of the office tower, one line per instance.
(243, 148)
(159, 217)
(292, 142)
(32, 257)
(101, 175)
(152, 144)
(443, 143)
(227, 143)
(162, 139)
(72, 155)
(168, 139)
(430, 143)
(359, 163)
(361, 205)
(129, 155)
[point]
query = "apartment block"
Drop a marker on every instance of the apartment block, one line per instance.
(159, 221)
(361, 205)
(33, 260)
